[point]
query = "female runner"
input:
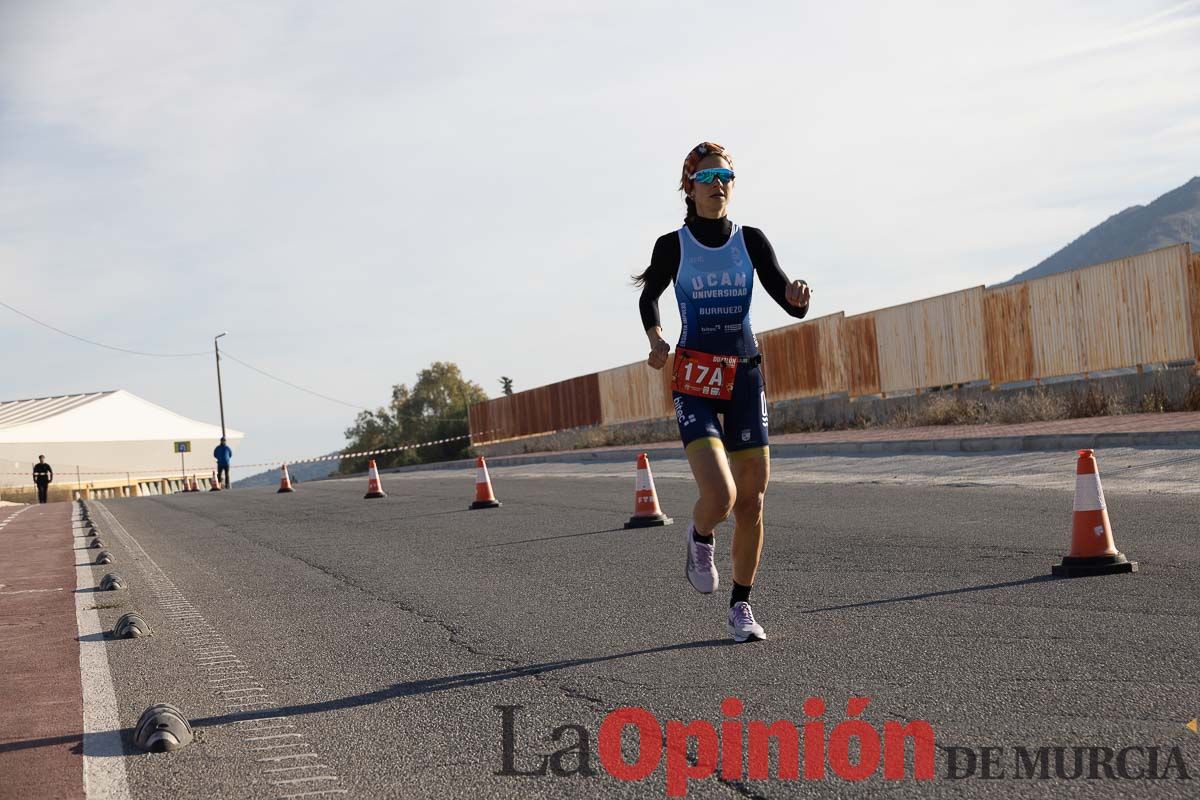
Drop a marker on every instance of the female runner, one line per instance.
(717, 369)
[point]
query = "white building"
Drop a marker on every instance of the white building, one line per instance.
(103, 436)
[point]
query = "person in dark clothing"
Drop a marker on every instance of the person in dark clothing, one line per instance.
(43, 474)
(222, 453)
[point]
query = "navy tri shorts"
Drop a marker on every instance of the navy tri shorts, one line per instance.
(743, 424)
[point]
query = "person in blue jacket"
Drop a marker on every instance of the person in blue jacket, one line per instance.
(223, 454)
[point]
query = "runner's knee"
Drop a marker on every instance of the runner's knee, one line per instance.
(748, 505)
(720, 498)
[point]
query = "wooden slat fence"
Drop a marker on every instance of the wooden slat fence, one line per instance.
(1134, 311)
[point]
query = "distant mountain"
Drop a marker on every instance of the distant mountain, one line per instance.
(1171, 219)
(297, 472)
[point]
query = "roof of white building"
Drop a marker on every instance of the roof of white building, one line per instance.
(114, 416)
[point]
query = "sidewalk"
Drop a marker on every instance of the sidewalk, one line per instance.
(1179, 429)
(41, 729)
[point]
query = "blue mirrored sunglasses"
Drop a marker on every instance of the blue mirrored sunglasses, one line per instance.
(710, 175)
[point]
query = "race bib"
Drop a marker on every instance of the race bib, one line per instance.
(704, 374)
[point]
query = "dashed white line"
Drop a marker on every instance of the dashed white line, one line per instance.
(308, 779)
(211, 653)
(293, 769)
(273, 736)
(287, 757)
(279, 746)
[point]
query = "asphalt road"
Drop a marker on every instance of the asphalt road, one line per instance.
(326, 644)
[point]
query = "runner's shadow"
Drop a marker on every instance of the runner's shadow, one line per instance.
(548, 538)
(448, 683)
(943, 593)
(101, 744)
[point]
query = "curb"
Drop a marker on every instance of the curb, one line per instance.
(979, 444)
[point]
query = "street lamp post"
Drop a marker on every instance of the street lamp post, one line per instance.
(220, 395)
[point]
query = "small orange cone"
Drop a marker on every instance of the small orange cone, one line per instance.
(484, 498)
(285, 482)
(195, 487)
(1093, 551)
(214, 486)
(374, 489)
(646, 513)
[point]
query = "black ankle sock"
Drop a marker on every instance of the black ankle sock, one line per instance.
(696, 537)
(739, 594)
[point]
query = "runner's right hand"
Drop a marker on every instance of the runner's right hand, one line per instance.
(659, 351)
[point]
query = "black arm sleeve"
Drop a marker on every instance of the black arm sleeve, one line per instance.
(770, 274)
(664, 264)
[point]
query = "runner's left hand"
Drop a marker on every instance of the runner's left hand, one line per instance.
(798, 293)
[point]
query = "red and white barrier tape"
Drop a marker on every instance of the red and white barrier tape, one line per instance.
(66, 473)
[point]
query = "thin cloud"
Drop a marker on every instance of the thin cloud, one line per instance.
(1144, 30)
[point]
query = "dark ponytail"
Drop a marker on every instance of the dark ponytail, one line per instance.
(691, 209)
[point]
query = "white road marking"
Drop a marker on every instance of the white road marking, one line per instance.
(293, 769)
(103, 775)
(280, 746)
(288, 757)
(309, 779)
(273, 736)
(212, 654)
(271, 728)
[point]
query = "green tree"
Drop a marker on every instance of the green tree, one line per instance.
(506, 384)
(434, 408)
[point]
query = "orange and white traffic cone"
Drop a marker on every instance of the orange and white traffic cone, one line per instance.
(213, 485)
(194, 486)
(285, 481)
(646, 512)
(484, 498)
(374, 488)
(1093, 551)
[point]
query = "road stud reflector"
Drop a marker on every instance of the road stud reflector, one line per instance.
(162, 728)
(131, 626)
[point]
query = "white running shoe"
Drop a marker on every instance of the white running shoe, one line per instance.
(700, 570)
(742, 626)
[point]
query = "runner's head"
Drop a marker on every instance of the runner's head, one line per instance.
(709, 200)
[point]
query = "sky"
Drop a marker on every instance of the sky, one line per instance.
(355, 190)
